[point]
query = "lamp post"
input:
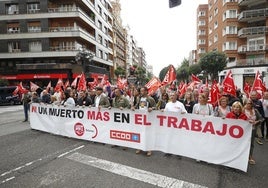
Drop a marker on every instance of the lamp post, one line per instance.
(84, 56)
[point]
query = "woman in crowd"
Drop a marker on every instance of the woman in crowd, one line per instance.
(255, 119)
(189, 102)
(223, 109)
(68, 100)
(162, 101)
(265, 108)
(203, 107)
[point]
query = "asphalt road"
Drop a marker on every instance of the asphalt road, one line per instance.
(35, 159)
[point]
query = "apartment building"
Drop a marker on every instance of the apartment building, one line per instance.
(40, 39)
(239, 29)
(202, 32)
(120, 39)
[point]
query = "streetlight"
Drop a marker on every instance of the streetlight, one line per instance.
(84, 56)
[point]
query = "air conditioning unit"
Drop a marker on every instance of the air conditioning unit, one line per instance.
(261, 47)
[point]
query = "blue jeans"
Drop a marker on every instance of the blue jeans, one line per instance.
(26, 108)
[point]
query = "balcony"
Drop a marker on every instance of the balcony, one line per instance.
(252, 48)
(250, 2)
(245, 32)
(248, 62)
(253, 15)
(65, 48)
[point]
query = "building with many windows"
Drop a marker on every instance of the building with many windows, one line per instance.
(40, 39)
(239, 29)
(120, 39)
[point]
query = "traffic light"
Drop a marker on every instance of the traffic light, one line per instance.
(174, 3)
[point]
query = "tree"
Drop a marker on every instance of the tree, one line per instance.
(212, 63)
(162, 73)
(195, 69)
(140, 73)
(119, 71)
(183, 71)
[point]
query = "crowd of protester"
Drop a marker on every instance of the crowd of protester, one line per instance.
(252, 108)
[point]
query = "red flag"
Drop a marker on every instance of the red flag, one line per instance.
(103, 81)
(94, 83)
(195, 79)
(121, 83)
(33, 86)
(258, 84)
(183, 90)
(74, 82)
(180, 85)
(67, 84)
(82, 84)
(48, 86)
(247, 89)
(214, 93)
(228, 84)
(59, 85)
(20, 89)
(170, 76)
(153, 85)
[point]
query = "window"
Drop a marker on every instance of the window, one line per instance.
(99, 24)
(202, 13)
(35, 46)
(100, 39)
(256, 44)
(215, 24)
(100, 54)
(105, 17)
(33, 8)
(202, 32)
(13, 47)
(106, 43)
(216, 11)
(202, 22)
(201, 41)
(215, 38)
(229, 46)
(210, 18)
(34, 27)
(99, 10)
(13, 28)
(210, 42)
(232, 14)
(106, 56)
(201, 51)
(232, 30)
(12, 9)
(232, 45)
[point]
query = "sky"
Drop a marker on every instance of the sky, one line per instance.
(167, 35)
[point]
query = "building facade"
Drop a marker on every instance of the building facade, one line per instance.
(40, 39)
(120, 39)
(239, 28)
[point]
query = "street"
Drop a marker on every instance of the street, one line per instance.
(31, 158)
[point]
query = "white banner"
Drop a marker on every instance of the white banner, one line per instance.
(211, 139)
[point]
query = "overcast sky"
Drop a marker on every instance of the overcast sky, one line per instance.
(167, 35)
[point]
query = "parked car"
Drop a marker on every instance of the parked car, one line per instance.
(7, 97)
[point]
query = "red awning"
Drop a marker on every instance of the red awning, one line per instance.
(33, 76)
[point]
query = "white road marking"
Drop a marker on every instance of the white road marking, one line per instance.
(4, 109)
(130, 172)
(61, 155)
(8, 179)
(33, 162)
